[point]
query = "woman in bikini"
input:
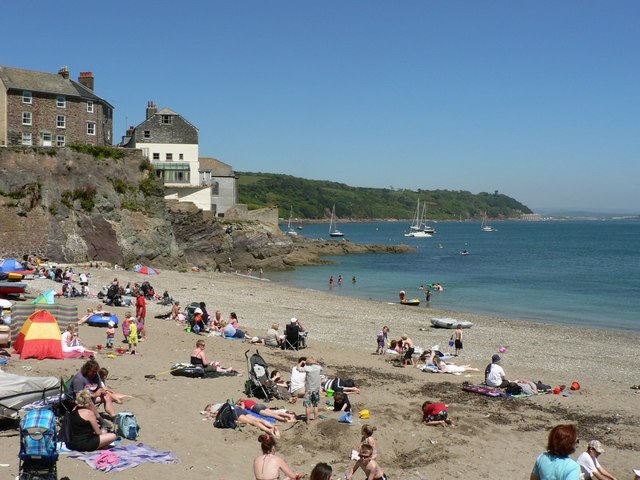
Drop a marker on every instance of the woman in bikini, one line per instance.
(268, 465)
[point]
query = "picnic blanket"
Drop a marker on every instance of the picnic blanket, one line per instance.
(121, 458)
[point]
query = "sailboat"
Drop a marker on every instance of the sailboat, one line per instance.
(333, 227)
(485, 227)
(417, 228)
(290, 230)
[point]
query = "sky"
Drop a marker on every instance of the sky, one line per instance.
(539, 100)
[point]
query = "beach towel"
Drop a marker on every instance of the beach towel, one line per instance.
(268, 419)
(128, 457)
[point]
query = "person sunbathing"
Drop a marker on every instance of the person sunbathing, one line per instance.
(266, 411)
(243, 417)
(199, 359)
(444, 367)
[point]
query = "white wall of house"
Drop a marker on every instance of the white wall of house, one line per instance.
(200, 196)
(189, 154)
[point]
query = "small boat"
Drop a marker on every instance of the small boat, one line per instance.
(410, 302)
(464, 252)
(290, 230)
(418, 234)
(333, 227)
(485, 227)
(16, 391)
(450, 323)
(12, 288)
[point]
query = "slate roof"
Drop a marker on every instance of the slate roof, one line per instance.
(53, 83)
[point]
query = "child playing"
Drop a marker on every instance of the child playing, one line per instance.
(383, 338)
(341, 402)
(367, 439)
(111, 333)
(133, 335)
(312, 384)
(367, 464)
(117, 397)
(436, 414)
(125, 326)
(458, 339)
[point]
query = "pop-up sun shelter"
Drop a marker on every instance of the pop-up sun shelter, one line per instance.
(47, 297)
(11, 265)
(39, 337)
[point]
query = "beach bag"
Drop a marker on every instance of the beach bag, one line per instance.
(226, 417)
(127, 425)
(38, 434)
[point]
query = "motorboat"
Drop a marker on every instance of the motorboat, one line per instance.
(16, 391)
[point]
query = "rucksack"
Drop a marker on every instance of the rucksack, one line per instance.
(38, 434)
(127, 425)
(226, 417)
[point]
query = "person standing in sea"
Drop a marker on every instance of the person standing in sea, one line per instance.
(331, 281)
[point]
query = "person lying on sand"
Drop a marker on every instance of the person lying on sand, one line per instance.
(243, 417)
(262, 409)
(444, 367)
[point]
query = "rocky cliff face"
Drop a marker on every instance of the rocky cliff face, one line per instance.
(73, 207)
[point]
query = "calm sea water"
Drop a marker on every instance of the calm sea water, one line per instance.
(584, 273)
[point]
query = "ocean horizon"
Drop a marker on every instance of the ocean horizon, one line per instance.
(582, 273)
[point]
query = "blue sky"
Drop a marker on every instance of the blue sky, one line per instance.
(537, 99)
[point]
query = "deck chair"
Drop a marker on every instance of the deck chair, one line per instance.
(294, 339)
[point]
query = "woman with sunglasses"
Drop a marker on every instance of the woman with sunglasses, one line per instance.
(555, 464)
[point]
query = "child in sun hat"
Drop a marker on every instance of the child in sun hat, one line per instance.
(111, 333)
(133, 335)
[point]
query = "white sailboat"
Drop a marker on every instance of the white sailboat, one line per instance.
(417, 228)
(333, 227)
(485, 227)
(290, 230)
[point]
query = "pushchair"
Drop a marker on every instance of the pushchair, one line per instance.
(190, 315)
(259, 385)
(38, 445)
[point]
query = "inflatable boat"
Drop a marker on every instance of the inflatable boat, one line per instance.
(102, 320)
(450, 323)
(411, 302)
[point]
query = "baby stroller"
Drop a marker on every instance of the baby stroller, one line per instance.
(38, 445)
(258, 385)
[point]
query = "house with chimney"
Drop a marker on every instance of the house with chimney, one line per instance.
(170, 142)
(51, 110)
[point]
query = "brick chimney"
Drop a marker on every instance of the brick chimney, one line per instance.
(152, 109)
(86, 79)
(64, 72)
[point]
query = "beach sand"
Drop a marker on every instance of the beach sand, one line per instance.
(495, 438)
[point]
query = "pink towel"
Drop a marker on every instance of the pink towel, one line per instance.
(106, 460)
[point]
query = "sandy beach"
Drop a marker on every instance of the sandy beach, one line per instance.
(495, 438)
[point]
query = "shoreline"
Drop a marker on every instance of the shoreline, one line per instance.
(342, 337)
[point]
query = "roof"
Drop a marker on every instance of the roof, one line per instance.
(54, 83)
(218, 168)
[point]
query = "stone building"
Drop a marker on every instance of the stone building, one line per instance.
(51, 110)
(170, 142)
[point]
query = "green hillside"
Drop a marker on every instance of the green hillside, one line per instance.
(313, 199)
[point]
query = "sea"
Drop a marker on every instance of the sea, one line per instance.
(581, 273)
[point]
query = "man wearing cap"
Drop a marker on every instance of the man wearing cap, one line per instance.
(589, 464)
(494, 374)
(636, 471)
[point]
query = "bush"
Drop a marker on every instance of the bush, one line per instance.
(98, 151)
(85, 195)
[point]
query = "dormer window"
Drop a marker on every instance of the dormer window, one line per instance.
(166, 119)
(61, 101)
(27, 97)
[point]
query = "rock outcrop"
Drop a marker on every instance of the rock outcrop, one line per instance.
(73, 207)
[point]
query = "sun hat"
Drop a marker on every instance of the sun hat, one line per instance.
(596, 445)
(294, 320)
(111, 323)
(637, 471)
(197, 310)
(496, 358)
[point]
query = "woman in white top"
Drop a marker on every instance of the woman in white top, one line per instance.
(70, 340)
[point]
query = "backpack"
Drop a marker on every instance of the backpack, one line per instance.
(226, 417)
(38, 435)
(127, 425)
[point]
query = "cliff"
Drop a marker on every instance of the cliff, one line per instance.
(76, 207)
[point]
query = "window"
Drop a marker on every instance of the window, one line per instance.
(47, 139)
(27, 97)
(61, 121)
(147, 134)
(156, 156)
(180, 177)
(26, 118)
(60, 141)
(181, 156)
(169, 157)
(61, 102)
(26, 138)
(91, 128)
(90, 106)
(166, 119)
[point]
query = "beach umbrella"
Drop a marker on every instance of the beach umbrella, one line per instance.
(146, 270)
(46, 297)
